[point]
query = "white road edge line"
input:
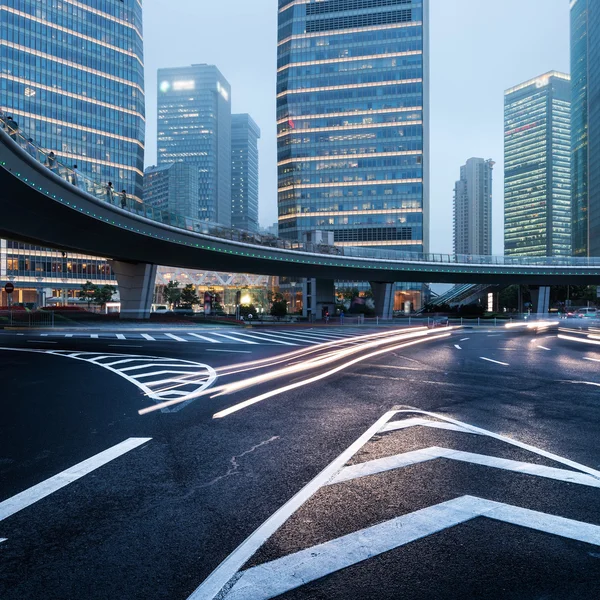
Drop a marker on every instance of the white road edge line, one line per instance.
(279, 576)
(28, 497)
(215, 582)
(494, 361)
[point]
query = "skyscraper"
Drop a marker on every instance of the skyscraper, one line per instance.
(72, 76)
(245, 134)
(585, 119)
(537, 167)
(173, 188)
(194, 126)
(473, 208)
(352, 121)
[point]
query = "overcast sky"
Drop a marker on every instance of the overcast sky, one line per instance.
(478, 49)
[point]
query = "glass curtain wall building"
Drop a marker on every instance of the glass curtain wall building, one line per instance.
(194, 126)
(172, 188)
(352, 122)
(537, 167)
(473, 208)
(245, 134)
(72, 76)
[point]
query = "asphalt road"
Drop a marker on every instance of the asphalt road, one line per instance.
(475, 474)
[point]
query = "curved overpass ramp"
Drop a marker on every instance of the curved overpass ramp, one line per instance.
(41, 208)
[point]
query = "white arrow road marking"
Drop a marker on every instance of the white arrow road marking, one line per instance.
(284, 574)
(227, 575)
(193, 377)
(398, 461)
(457, 347)
(494, 361)
(45, 488)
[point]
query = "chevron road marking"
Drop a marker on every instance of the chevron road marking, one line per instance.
(284, 574)
(235, 339)
(264, 337)
(175, 337)
(49, 486)
(389, 463)
(267, 580)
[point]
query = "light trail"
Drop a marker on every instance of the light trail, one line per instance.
(292, 386)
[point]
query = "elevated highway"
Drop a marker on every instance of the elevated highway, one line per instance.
(40, 205)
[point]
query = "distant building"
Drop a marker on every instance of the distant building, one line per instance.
(245, 134)
(173, 187)
(473, 208)
(585, 121)
(194, 126)
(537, 167)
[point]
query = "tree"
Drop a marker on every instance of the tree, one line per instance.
(88, 291)
(278, 305)
(172, 293)
(104, 294)
(189, 296)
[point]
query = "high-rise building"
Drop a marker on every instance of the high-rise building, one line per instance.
(245, 134)
(194, 126)
(585, 120)
(473, 208)
(72, 76)
(352, 121)
(173, 187)
(537, 167)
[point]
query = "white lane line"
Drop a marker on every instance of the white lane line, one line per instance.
(94, 336)
(45, 488)
(464, 339)
(457, 347)
(205, 338)
(395, 367)
(592, 359)
(289, 572)
(44, 334)
(148, 337)
(175, 337)
(213, 584)
(263, 337)
(68, 335)
(230, 337)
(230, 351)
(399, 461)
(543, 347)
(412, 422)
(120, 336)
(3, 540)
(494, 361)
(584, 383)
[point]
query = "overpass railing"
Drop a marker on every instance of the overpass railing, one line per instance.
(137, 207)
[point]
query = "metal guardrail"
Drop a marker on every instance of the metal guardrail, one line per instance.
(136, 206)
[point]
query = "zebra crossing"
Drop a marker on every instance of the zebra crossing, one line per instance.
(294, 337)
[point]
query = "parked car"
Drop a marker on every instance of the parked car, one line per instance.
(160, 309)
(590, 313)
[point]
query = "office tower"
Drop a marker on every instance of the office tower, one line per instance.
(352, 121)
(473, 208)
(245, 134)
(173, 187)
(72, 77)
(194, 126)
(537, 167)
(585, 121)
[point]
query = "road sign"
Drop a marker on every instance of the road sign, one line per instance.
(9, 288)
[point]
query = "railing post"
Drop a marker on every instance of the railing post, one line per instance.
(478, 321)
(461, 321)
(409, 320)
(495, 322)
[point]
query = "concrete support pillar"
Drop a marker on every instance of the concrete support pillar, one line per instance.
(136, 283)
(540, 297)
(318, 295)
(383, 298)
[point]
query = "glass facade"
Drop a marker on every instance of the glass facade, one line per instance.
(473, 208)
(72, 75)
(194, 126)
(172, 187)
(537, 167)
(245, 134)
(352, 121)
(594, 128)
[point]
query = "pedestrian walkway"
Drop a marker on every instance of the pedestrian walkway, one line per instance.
(275, 337)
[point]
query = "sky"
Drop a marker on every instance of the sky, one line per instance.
(478, 49)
